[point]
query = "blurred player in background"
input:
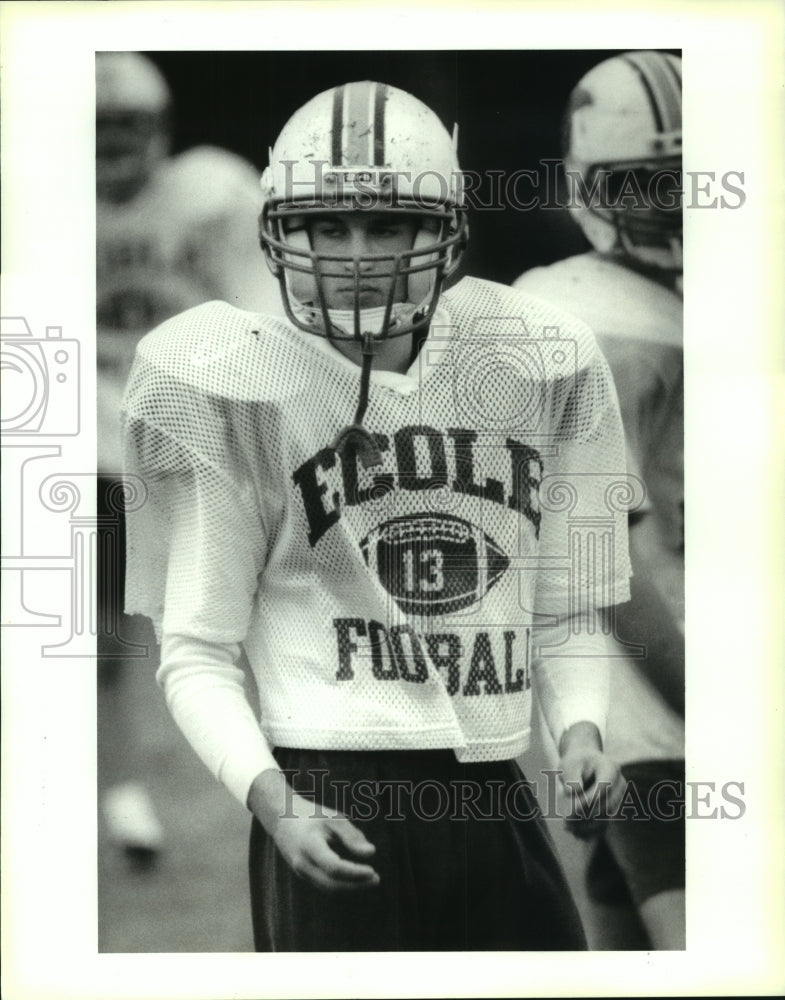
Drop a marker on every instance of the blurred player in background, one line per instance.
(171, 232)
(622, 157)
(363, 557)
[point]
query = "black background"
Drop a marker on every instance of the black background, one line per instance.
(508, 105)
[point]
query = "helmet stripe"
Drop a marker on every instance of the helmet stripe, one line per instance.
(379, 106)
(655, 109)
(336, 126)
(358, 122)
(672, 70)
(668, 93)
(660, 87)
(673, 65)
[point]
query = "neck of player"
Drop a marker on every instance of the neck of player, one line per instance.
(393, 355)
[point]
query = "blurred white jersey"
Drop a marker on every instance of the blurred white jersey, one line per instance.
(638, 325)
(188, 237)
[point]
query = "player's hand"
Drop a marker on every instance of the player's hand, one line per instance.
(321, 845)
(592, 781)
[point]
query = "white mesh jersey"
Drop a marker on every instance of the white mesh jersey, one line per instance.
(388, 607)
(638, 326)
(187, 237)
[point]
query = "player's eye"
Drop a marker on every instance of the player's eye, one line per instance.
(391, 231)
(328, 230)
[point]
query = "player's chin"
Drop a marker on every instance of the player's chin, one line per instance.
(368, 298)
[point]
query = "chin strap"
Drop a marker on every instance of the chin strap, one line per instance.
(355, 439)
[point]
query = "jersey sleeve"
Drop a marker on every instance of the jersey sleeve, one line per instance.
(586, 494)
(195, 537)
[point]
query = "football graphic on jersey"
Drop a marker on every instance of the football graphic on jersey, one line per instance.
(433, 563)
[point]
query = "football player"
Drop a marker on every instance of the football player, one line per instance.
(171, 231)
(622, 159)
(368, 495)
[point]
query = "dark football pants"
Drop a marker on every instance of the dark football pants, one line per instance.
(463, 854)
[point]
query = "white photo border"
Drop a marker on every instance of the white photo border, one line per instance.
(734, 110)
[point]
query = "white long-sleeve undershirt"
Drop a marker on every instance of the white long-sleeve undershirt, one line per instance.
(205, 692)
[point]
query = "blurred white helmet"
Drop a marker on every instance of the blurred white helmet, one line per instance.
(358, 147)
(132, 124)
(622, 155)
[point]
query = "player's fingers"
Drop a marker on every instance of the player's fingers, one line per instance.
(340, 872)
(313, 873)
(569, 774)
(613, 783)
(577, 774)
(616, 795)
(329, 883)
(588, 808)
(350, 837)
(590, 773)
(596, 801)
(604, 770)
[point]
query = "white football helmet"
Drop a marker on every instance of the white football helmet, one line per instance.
(363, 146)
(622, 133)
(132, 128)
